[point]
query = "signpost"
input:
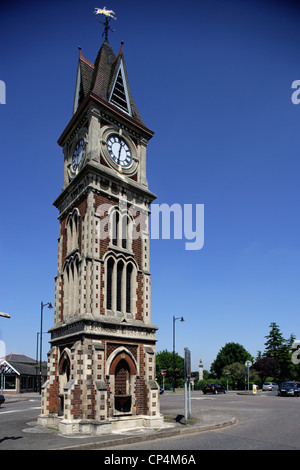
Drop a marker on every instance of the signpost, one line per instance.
(187, 384)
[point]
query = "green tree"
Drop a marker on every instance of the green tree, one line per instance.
(236, 372)
(229, 354)
(274, 343)
(279, 349)
(164, 361)
(267, 367)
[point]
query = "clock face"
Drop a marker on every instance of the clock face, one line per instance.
(119, 150)
(78, 154)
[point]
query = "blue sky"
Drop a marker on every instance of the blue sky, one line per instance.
(213, 80)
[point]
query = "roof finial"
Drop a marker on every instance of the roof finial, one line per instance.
(109, 15)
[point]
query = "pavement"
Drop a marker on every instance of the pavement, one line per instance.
(205, 420)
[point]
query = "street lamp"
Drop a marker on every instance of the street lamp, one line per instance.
(227, 375)
(174, 320)
(49, 305)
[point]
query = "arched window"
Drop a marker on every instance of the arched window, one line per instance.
(115, 228)
(66, 291)
(72, 230)
(71, 286)
(128, 287)
(124, 231)
(120, 228)
(109, 278)
(119, 285)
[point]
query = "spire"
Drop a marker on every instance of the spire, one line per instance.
(83, 81)
(107, 77)
(110, 81)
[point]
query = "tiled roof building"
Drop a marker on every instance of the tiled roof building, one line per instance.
(21, 374)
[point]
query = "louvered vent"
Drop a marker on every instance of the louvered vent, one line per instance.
(118, 96)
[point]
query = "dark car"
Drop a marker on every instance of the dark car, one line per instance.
(289, 389)
(214, 388)
(2, 399)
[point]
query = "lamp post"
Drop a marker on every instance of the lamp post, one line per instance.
(49, 305)
(174, 320)
(227, 375)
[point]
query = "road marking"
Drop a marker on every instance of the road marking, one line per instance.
(11, 411)
(203, 398)
(20, 411)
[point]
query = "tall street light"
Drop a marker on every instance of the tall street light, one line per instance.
(49, 305)
(174, 320)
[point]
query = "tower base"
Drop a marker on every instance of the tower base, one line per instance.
(89, 426)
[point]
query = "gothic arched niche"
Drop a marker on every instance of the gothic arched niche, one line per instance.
(123, 373)
(64, 377)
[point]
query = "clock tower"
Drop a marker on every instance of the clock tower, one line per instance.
(101, 365)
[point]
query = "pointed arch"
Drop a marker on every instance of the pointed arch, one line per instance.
(109, 283)
(121, 353)
(72, 227)
(64, 371)
(120, 283)
(129, 283)
(120, 286)
(121, 223)
(71, 276)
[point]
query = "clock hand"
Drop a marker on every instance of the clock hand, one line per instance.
(121, 146)
(119, 153)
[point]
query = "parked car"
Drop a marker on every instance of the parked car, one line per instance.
(289, 389)
(270, 386)
(2, 399)
(214, 388)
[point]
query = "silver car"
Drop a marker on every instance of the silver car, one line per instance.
(269, 386)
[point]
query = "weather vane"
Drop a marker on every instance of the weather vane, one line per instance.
(109, 15)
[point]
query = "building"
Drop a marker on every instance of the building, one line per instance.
(20, 374)
(101, 366)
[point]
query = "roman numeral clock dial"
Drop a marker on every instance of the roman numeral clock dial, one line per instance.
(119, 151)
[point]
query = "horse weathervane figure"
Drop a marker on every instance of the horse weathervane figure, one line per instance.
(109, 15)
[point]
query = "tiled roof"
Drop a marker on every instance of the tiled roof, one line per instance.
(99, 77)
(87, 70)
(19, 358)
(24, 365)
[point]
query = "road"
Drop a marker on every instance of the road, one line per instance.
(14, 418)
(265, 422)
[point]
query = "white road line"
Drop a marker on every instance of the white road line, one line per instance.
(19, 411)
(203, 398)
